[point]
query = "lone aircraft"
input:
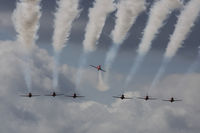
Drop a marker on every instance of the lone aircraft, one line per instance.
(172, 100)
(98, 68)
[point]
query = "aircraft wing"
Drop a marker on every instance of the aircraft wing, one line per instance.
(116, 97)
(102, 70)
(59, 94)
(93, 66)
(80, 96)
(177, 100)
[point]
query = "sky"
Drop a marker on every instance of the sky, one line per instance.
(98, 111)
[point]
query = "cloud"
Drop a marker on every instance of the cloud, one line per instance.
(44, 114)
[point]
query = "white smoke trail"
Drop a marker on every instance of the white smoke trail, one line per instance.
(185, 22)
(127, 13)
(65, 14)
(158, 14)
(26, 21)
(97, 17)
(82, 63)
(101, 85)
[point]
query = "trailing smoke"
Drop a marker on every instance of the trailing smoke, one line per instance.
(26, 21)
(185, 22)
(101, 85)
(158, 14)
(65, 14)
(82, 63)
(127, 13)
(97, 17)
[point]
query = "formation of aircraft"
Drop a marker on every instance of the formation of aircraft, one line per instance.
(122, 96)
(98, 68)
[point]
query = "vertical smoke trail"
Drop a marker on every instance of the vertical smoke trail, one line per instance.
(97, 17)
(127, 13)
(158, 14)
(65, 14)
(101, 85)
(182, 29)
(26, 21)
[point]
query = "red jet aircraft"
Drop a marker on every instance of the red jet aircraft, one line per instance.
(98, 68)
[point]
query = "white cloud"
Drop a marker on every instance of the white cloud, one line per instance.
(45, 114)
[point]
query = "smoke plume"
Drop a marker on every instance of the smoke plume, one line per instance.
(26, 21)
(182, 29)
(101, 85)
(158, 14)
(127, 13)
(97, 17)
(65, 14)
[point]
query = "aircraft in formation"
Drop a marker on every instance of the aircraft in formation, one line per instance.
(74, 96)
(122, 96)
(172, 99)
(98, 68)
(147, 97)
(54, 94)
(29, 95)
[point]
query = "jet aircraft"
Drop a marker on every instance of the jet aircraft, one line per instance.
(172, 99)
(29, 95)
(74, 96)
(54, 94)
(98, 68)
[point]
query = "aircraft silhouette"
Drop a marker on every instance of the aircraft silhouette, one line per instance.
(54, 94)
(98, 68)
(29, 95)
(74, 96)
(172, 99)
(147, 97)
